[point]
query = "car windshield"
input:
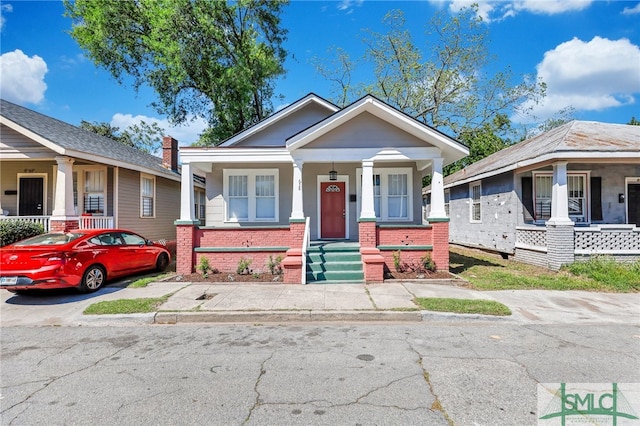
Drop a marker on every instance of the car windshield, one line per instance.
(49, 239)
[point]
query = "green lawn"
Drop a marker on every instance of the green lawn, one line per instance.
(463, 306)
(125, 306)
(488, 271)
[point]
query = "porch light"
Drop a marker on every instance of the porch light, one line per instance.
(333, 175)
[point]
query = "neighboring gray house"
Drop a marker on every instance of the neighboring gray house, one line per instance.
(66, 177)
(571, 192)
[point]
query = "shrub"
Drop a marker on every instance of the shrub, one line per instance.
(16, 230)
(427, 263)
(274, 265)
(243, 266)
(397, 261)
(203, 266)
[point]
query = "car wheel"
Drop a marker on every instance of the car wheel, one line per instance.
(93, 279)
(162, 262)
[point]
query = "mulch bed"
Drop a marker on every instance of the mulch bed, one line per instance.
(230, 277)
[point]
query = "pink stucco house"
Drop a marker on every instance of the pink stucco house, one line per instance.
(334, 191)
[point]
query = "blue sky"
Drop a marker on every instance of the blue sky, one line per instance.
(588, 53)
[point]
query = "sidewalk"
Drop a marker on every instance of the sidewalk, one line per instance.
(262, 303)
(200, 302)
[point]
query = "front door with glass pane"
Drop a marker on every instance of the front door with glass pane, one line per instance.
(332, 210)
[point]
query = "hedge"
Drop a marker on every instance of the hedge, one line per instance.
(16, 230)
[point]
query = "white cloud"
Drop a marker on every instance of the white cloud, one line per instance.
(491, 10)
(185, 134)
(4, 9)
(348, 4)
(22, 77)
(632, 10)
(589, 76)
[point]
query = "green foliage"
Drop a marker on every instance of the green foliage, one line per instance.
(427, 263)
(274, 265)
(143, 136)
(16, 230)
(243, 266)
(605, 270)
(443, 83)
(397, 261)
(125, 306)
(463, 306)
(203, 266)
(634, 122)
(212, 59)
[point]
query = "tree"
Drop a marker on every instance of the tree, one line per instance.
(212, 59)
(449, 89)
(143, 136)
(634, 122)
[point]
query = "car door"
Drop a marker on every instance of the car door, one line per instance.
(108, 249)
(139, 255)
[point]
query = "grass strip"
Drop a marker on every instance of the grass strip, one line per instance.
(463, 306)
(143, 282)
(125, 306)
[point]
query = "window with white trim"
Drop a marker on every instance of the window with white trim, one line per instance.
(251, 195)
(392, 193)
(476, 206)
(94, 192)
(147, 195)
(200, 204)
(576, 192)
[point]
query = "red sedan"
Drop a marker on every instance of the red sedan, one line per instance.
(81, 258)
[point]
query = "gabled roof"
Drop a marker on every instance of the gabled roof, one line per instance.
(582, 140)
(72, 141)
(287, 111)
(452, 150)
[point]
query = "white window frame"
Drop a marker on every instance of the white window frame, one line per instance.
(200, 203)
(152, 178)
(81, 208)
(447, 200)
(384, 192)
(251, 193)
(585, 217)
(473, 202)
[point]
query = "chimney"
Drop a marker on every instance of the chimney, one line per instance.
(170, 153)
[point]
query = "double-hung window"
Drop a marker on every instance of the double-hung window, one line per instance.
(94, 192)
(576, 194)
(476, 206)
(447, 200)
(147, 195)
(251, 195)
(392, 194)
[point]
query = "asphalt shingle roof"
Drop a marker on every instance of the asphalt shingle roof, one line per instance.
(76, 141)
(575, 136)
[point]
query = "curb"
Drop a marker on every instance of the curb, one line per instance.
(286, 316)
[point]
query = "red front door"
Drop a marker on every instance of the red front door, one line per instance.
(332, 210)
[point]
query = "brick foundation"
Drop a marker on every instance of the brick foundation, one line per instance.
(184, 248)
(63, 225)
(440, 243)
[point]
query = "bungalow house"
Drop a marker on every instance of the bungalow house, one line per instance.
(569, 193)
(65, 177)
(334, 191)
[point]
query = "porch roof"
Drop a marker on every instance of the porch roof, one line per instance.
(66, 139)
(584, 141)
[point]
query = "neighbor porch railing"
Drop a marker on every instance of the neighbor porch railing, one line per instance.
(84, 222)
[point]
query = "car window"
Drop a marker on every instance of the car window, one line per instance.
(49, 239)
(132, 239)
(110, 239)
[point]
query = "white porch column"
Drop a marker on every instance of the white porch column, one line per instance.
(437, 190)
(63, 201)
(367, 207)
(560, 196)
(297, 211)
(187, 209)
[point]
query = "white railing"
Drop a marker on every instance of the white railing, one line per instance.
(607, 239)
(84, 222)
(42, 220)
(306, 239)
(534, 237)
(95, 222)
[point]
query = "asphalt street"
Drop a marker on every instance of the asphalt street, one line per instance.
(462, 372)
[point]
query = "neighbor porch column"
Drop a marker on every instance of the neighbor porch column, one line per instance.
(297, 211)
(187, 209)
(367, 209)
(437, 190)
(560, 232)
(63, 216)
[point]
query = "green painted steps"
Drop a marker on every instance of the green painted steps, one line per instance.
(335, 263)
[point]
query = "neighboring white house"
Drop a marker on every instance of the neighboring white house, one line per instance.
(573, 191)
